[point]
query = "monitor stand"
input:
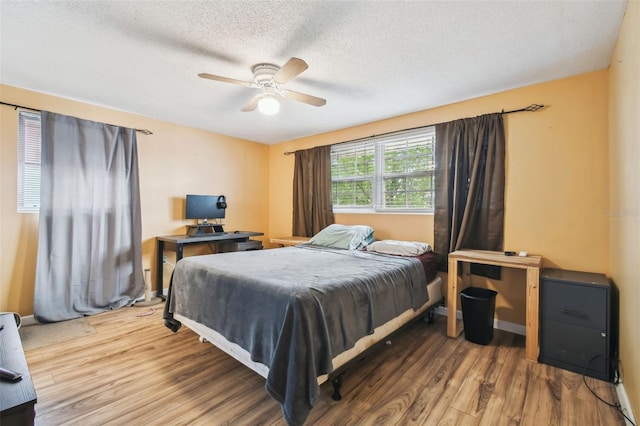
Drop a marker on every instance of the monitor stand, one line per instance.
(204, 228)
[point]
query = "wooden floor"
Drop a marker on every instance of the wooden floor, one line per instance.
(133, 370)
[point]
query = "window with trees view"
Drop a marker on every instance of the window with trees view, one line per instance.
(393, 172)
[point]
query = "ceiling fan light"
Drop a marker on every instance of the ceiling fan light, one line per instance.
(268, 105)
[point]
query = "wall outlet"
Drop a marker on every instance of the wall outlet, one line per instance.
(164, 259)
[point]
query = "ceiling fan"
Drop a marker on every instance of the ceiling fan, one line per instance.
(269, 79)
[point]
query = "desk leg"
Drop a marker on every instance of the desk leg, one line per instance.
(452, 299)
(159, 270)
(532, 345)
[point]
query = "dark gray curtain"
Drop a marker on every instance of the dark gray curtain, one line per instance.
(469, 181)
(312, 206)
(89, 247)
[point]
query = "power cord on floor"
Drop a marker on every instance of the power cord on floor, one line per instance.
(615, 405)
(146, 314)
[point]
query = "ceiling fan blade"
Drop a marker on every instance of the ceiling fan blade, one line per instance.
(303, 97)
(291, 69)
(226, 79)
(252, 104)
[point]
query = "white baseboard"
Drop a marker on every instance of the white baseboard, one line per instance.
(499, 324)
(625, 404)
(29, 320)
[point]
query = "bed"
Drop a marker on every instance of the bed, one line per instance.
(296, 314)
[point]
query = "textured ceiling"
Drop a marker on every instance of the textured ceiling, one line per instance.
(370, 59)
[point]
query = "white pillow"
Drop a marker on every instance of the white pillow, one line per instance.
(348, 237)
(399, 248)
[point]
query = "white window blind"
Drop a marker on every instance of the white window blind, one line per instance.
(353, 174)
(393, 172)
(29, 144)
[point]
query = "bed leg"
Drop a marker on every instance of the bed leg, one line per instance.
(337, 384)
(430, 316)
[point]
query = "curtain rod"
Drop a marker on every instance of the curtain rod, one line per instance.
(530, 108)
(143, 131)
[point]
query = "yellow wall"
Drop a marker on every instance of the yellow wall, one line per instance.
(174, 161)
(571, 196)
(557, 179)
(624, 200)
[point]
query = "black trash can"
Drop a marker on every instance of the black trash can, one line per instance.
(478, 306)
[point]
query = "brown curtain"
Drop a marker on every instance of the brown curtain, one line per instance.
(469, 181)
(312, 207)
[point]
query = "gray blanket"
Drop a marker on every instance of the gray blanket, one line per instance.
(294, 309)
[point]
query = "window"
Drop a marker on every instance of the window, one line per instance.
(28, 162)
(390, 173)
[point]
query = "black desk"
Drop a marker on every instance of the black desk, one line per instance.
(18, 399)
(177, 242)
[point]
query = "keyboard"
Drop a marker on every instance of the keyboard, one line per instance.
(209, 234)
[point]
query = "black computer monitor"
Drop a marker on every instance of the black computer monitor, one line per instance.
(204, 207)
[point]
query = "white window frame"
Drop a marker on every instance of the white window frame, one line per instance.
(29, 150)
(424, 134)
